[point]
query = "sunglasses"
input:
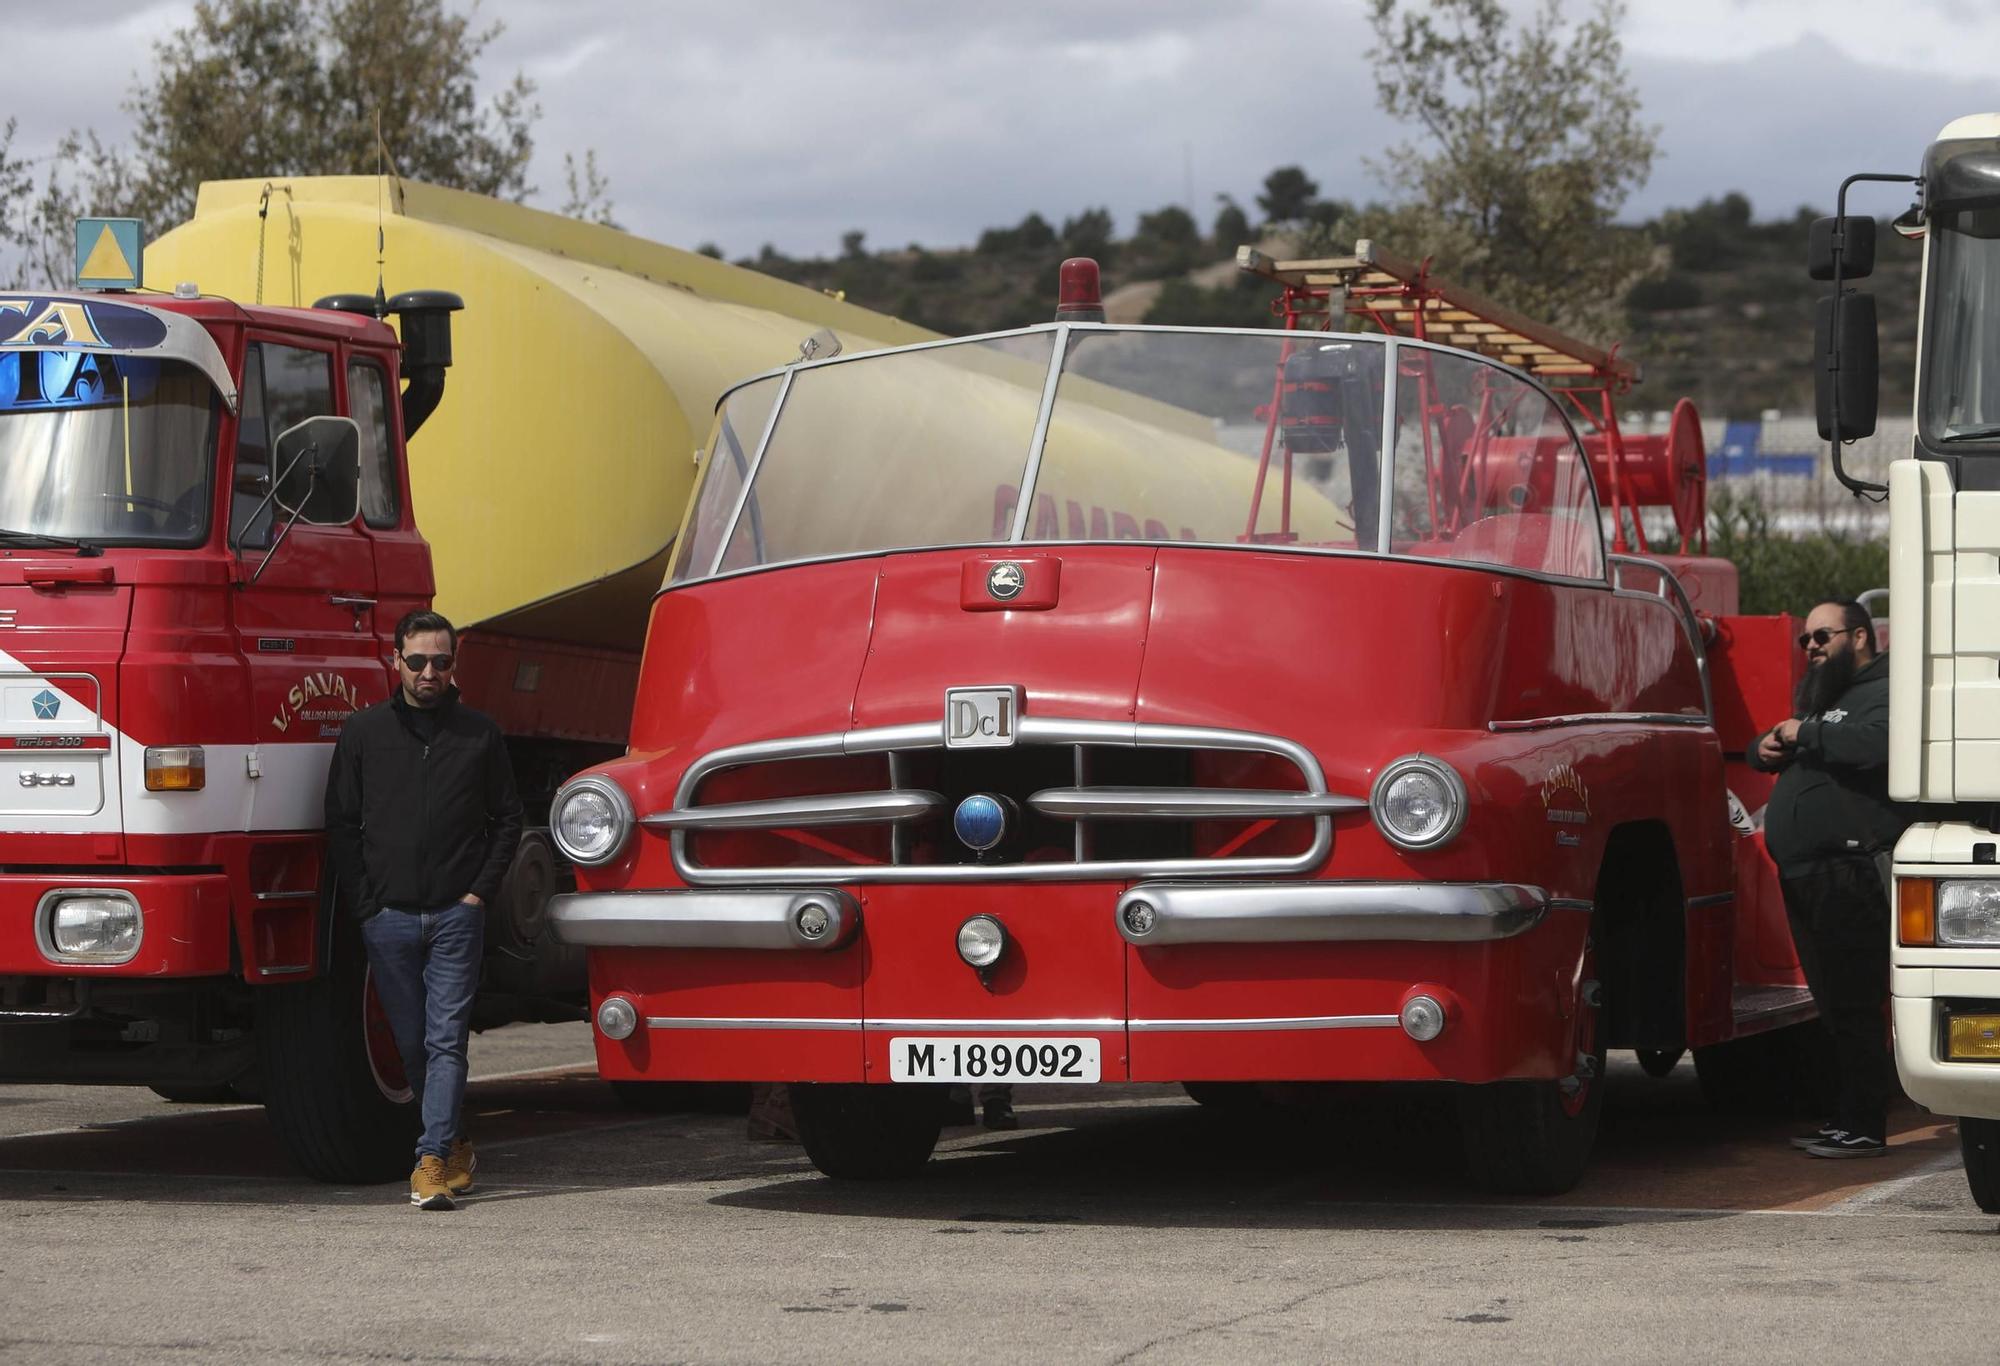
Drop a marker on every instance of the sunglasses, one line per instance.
(1808, 639)
(418, 663)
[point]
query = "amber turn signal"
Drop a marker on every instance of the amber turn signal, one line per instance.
(176, 768)
(1916, 911)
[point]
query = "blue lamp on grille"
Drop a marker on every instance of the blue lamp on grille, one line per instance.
(980, 821)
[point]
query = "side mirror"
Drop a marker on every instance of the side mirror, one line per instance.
(1846, 369)
(319, 465)
(1852, 236)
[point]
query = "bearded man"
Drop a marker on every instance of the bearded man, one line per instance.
(1830, 826)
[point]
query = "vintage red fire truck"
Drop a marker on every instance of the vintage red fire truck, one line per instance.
(208, 531)
(1090, 703)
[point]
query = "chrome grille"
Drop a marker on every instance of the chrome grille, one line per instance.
(1057, 772)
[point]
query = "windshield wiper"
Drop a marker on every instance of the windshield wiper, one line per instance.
(82, 548)
(1973, 434)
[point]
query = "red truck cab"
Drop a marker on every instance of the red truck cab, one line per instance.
(1098, 703)
(205, 543)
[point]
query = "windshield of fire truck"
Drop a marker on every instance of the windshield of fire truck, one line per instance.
(1214, 437)
(1960, 403)
(110, 449)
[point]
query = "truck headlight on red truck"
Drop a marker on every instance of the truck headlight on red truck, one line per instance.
(89, 925)
(1418, 802)
(176, 768)
(591, 819)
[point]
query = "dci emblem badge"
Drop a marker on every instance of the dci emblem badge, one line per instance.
(1005, 581)
(981, 718)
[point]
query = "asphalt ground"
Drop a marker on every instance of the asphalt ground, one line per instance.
(1120, 1223)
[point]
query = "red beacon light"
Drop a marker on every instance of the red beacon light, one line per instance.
(1080, 299)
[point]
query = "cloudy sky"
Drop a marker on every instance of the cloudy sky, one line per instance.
(785, 122)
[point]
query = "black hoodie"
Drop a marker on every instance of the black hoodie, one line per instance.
(420, 807)
(1832, 797)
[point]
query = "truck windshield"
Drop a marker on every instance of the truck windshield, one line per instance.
(1268, 439)
(109, 449)
(1960, 404)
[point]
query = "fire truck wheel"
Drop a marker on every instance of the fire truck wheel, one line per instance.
(868, 1133)
(1658, 1062)
(1979, 1144)
(334, 1086)
(1535, 1137)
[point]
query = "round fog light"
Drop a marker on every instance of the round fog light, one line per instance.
(981, 940)
(1140, 917)
(813, 920)
(617, 1018)
(1423, 1018)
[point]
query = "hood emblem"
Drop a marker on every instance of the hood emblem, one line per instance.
(47, 704)
(1004, 581)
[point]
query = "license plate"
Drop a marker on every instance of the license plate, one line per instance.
(990, 1060)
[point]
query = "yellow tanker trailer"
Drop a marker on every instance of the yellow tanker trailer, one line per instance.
(552, 477)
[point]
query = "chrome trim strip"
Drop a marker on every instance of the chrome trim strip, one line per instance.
(750, 474)
(283, 969)
(1696, 903)
(1598, 718)
(701, 919)
(1101, 1025)
(1271, 1022)
(1323, 912)
(1385, 460)
(1025, 500)
(1042, 730)
(747, 1022)
(284, 896)
(1184, 803)
(1690, 624)
(840, 808)
(1565, 903)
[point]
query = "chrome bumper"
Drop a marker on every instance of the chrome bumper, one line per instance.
(702, 919)
(1301, 912)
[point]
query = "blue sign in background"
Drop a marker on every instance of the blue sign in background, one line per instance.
(108, 253)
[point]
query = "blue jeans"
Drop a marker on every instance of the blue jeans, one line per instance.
(426, 971)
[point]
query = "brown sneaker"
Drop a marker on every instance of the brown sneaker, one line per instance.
(427, 1187)
(459, 1165)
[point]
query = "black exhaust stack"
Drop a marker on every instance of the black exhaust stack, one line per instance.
(426, 318)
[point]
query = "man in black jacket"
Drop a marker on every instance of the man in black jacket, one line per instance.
(422, 820)
(1830, 826)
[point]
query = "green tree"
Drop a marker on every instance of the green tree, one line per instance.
(1288, 195)
(589, 191)
(1232, 225)
(1088, 234)
(307, 87)
(17, 186)
(1533, 142)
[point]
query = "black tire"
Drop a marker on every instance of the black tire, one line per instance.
(209, 1093)
(1659, 1062)
(1535, 1137)
(340, 1115)
(1979, 1145)
(683, 1097)
(868, 1133)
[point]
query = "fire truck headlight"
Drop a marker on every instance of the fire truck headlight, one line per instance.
(1418, 802)
(591, 818)
(90, 927)
(1968, 912)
